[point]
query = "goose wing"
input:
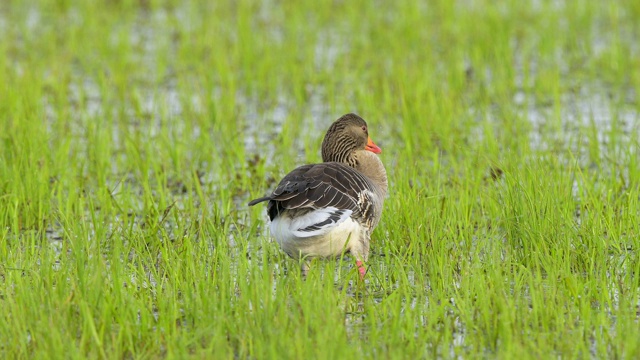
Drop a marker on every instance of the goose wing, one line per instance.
(321, 196)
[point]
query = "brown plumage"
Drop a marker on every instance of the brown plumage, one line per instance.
(325, 209)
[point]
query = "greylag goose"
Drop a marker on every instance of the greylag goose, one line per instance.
(331, 208)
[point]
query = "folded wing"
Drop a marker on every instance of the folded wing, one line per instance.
(321, 196)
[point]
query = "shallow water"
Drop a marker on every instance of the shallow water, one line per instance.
(592, 108)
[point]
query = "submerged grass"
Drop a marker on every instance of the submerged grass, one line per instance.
(134, 132)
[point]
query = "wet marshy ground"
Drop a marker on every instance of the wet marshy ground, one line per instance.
(135, 132)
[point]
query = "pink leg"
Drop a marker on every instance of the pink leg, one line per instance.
(361, 269)
(305, 269)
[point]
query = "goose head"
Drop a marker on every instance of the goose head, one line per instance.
(345, 138)
(347, 141)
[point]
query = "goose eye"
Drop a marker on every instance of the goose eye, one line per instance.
(364, 128)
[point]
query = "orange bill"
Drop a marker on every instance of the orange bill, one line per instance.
(372, 147)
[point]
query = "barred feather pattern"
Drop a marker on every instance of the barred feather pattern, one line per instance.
(318, 186)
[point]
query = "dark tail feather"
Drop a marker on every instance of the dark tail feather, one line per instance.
(257, 201)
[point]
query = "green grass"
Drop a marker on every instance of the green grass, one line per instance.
(133, 133)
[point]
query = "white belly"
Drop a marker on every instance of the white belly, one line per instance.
(339, 239)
